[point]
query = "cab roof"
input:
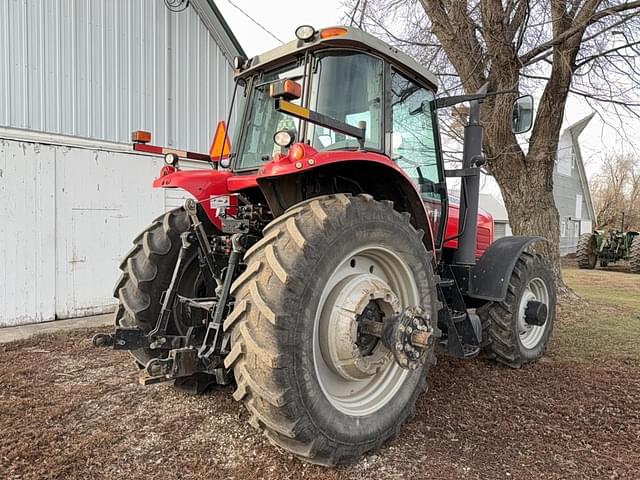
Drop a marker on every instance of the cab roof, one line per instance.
(352, 38)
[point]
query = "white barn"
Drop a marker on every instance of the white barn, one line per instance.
(570, 191)
(571, 188)
(76, 78)
(496, 208)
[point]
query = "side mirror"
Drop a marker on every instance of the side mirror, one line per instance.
(522, 114)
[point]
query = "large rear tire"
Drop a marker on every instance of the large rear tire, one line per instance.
(634, 255)
(587, 251)
(146, 273)
(322, 398)
(506, 336)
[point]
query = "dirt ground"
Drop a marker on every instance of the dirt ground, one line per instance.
(70, 411)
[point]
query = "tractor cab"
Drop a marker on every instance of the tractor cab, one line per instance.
(341, 90)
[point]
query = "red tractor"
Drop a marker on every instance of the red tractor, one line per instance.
(313, 264)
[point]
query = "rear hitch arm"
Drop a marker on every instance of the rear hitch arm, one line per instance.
(212, 339)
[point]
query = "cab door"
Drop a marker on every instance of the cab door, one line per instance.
(414, 145)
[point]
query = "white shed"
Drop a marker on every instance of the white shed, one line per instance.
(76, 78)
(492, 205)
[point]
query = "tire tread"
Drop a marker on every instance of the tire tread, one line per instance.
(258, 325)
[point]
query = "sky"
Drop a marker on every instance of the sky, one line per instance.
(282, 17)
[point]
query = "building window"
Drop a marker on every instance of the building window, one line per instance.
(578, 206)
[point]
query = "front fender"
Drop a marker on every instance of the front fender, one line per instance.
(490, 276)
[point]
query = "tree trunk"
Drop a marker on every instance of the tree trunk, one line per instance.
(532, 211)
(526, 181)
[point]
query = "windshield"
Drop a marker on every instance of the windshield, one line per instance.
(263, 121)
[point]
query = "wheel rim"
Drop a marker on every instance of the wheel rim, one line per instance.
(360, 382)
(531, 335)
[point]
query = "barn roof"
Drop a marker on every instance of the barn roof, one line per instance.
(219, 28)
(572, 132)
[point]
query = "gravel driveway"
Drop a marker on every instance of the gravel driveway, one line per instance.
(70, 411)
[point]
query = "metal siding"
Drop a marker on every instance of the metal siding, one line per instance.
(68, 217)
(4, 60)
(97, 69)
(100, 69)
(27, 256)
(96, 219)
(565, 189)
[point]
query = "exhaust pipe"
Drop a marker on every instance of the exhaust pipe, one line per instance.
(470, 185)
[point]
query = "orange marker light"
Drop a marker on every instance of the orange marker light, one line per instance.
(333, 32)
(140, 136)
(296, 152)
(287, 89)
(220, 147)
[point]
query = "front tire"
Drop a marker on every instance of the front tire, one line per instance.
(507, 337)
(311, 275)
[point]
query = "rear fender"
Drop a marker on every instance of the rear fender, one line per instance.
(284, 183)
(202, 184)
(490, 276)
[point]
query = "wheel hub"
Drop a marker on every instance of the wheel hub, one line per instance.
(409, 336)
(533, 313)
(357, 373)
(350, 353)
(366, 341)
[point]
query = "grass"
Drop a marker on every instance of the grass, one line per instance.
(604, 322)
(608, 287)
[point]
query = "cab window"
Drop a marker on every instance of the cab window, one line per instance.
(263, 120)
(347, 86)
(413, 141)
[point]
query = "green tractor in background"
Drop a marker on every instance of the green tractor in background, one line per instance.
(609, 247)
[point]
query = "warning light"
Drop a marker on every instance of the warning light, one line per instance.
(296, 152)
(333, 32)
(287, 89)
(140, 136)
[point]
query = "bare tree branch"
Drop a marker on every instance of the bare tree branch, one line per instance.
(534, 52)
